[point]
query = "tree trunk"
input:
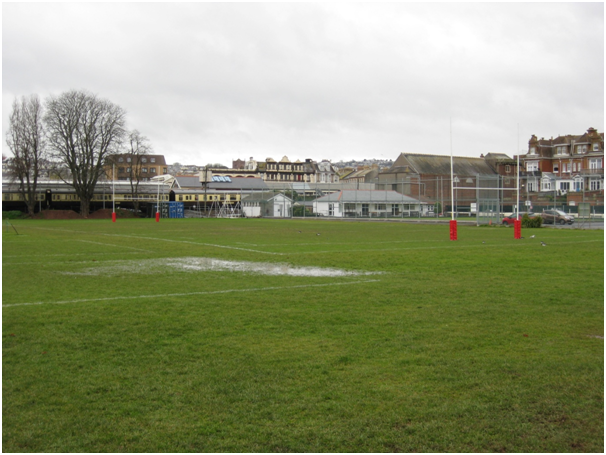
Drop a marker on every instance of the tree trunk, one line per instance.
(31, 207)
(84, 207)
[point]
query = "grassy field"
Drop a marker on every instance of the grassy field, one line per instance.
(262, 336)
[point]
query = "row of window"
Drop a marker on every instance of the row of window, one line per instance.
(144, 170)
(594, 164)
(577, 185)
(129, 160)
(210, 197)
(73, 197)
(563, 149)
(292, 177)
(285, 167)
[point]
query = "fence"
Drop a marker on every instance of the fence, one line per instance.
(484, 199)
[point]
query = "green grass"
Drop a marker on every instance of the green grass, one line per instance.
(456, 347)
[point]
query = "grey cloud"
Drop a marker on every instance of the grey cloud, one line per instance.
(216, 81)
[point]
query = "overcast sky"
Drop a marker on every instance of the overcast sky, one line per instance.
(214, 82)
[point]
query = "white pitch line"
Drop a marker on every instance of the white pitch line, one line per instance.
(58, 254)
(167, 240)
(225, 291)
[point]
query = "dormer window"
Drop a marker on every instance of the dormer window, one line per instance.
(120, 160)
(561, 150)
(596, 147)
(144, 160)
(533, 151)
(153, 160)
(581, 149)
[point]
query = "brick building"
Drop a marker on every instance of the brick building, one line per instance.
(571, 166)
(135, 167)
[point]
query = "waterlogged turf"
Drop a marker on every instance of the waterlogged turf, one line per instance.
(300, 335)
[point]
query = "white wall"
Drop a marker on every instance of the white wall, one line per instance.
(252, 212)
(282, 207)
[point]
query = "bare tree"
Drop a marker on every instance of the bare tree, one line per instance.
(83, 131)
(25, 139)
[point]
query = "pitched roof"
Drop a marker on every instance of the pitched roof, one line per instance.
(439, 164)
(187, 182)
(364, 196)
(263, 197)
(240, 183)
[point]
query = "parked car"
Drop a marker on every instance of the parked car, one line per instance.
(556, 216)
(508, 220)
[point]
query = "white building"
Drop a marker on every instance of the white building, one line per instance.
(369, 203)
(267, 205)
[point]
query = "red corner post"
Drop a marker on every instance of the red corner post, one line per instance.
(517, 229)
(453, 229)
(157, 217)
(113, 217)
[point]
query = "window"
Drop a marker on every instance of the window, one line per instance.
(595, 185)
(144, 170)
(394, 209)
(533, 150)
(120, 169)
(364, 209)
(578, 184)
(565, 167)
(127, 169)
(595, 163)
(331, 209)
(581, 149)
(564, 186)
(164, 170)
(152, 170)
(556, 167)
(144, 160)
(545, 185)
(532, 166)
(381, 207)
(507, 168)
(561, 150)
(596, 147)
(153, 160)
(120, 160)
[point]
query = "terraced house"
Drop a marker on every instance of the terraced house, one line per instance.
(566, 165)
(285, 170)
